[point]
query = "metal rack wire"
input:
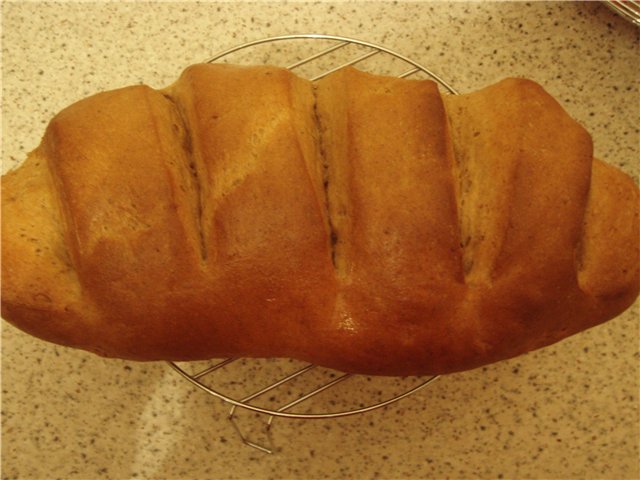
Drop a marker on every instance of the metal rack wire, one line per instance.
(628, 9)
(338, 52)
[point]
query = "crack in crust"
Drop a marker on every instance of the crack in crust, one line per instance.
(333, 234)
(188, 147)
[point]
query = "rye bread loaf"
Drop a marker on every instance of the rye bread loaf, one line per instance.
(361, 222)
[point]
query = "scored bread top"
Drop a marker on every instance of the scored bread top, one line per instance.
(361, 222)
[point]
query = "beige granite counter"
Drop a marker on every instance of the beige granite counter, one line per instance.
(568, 411)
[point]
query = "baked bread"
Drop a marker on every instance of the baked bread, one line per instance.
(364, 223)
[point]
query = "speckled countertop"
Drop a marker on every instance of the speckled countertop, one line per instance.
(568, 411)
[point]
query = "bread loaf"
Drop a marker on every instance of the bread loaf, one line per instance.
(360, 222)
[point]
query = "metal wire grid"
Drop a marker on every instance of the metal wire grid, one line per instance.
(629, 9)
(365, 51)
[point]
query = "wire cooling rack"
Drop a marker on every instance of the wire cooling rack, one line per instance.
(628, 9)
(288, 388)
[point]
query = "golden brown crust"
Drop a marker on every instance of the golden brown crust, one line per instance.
(609, 255)
(40, 287)
(364, 223)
